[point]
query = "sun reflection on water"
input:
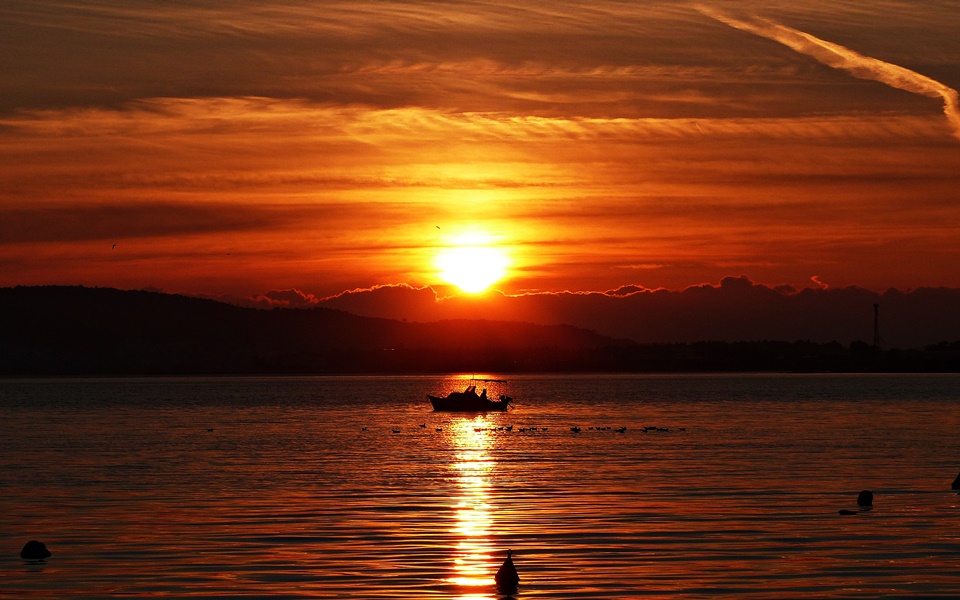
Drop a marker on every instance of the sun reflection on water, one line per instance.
(474, 514)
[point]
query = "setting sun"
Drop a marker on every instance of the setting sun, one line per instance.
(472, 268)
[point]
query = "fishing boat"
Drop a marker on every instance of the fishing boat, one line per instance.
(470, 401)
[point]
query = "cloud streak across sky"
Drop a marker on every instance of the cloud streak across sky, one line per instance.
(845, 59)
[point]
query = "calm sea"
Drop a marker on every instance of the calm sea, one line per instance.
(720, 487)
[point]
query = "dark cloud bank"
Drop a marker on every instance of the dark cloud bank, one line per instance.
(737, 309)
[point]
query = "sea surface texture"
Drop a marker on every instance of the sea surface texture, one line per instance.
(725, 486)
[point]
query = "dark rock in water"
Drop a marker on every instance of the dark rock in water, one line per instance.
(34, 550)
(849, 512)
(507, 577)
(865, 498)
(956, 483)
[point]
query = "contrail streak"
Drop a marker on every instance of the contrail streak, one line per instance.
(845, 59)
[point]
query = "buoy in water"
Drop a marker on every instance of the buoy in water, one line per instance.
(506, 577)
(34, 550)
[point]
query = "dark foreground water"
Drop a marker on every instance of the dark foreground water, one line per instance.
(300, 488)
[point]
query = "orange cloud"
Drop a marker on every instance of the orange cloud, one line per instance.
(285, 299)
(337, 191)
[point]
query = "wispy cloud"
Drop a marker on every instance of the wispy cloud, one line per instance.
(168, 119)
(842, 58)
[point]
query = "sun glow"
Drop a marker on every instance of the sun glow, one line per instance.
(472, 267)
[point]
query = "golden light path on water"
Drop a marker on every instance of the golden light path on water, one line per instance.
(474, 515)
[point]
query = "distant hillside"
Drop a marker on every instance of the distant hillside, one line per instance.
(79, 330)
(735, 310)
(100, 331)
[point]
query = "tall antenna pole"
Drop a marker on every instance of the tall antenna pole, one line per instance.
(876, 325)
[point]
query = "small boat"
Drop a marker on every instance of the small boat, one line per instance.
(470, 401)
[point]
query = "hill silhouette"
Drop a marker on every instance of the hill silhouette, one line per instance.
(78, 330)
(59, 330)
(736, 309)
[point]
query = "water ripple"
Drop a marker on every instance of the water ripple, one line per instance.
(219, 488)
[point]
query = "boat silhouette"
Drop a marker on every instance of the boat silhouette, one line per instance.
(470, 401)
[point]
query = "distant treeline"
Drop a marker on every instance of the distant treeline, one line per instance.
(55, 330)
(775, 356)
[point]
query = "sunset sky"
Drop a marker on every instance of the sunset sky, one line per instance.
(235, 148)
